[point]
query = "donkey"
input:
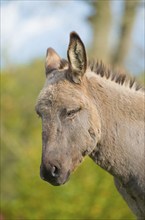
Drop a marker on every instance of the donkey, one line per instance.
(87, 109)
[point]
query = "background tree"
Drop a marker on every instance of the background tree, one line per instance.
(101, 22)
(128, 18)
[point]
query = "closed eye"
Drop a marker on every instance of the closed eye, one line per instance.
(72, 113)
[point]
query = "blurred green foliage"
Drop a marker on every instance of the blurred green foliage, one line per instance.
(90, 193)
(141, 78)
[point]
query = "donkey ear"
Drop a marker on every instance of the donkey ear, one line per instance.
(52, 61)
(77, 57)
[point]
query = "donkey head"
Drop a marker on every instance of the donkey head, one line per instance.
(70, 122)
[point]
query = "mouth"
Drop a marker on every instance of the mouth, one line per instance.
(55, 181)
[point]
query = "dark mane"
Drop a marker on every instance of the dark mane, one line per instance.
(117, 76)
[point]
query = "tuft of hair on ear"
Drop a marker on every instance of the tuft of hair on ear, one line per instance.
(77, 58)
(52, 61)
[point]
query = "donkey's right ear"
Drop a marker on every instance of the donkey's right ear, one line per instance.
(52, 61)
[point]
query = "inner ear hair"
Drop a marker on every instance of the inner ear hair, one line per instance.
(77, 57)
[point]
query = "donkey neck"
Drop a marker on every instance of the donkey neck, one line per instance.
(121, 109)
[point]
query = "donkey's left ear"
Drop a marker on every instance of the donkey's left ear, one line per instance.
(77, 57)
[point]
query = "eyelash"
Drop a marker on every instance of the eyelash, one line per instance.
(72, 112)
(68, 114)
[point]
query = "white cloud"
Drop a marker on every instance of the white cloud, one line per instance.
(17, 30)
(33, 28)
(28, 26)
(10, 18)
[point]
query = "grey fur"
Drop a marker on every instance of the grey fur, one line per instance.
(100, 115)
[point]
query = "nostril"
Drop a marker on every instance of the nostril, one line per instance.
(55, 171)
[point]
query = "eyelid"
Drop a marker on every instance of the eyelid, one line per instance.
(72, 112)
(69, 113)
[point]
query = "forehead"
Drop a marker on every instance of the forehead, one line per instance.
(59, 91)
(55, 76)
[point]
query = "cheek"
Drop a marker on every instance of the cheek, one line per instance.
(77, 127)
(80, 135)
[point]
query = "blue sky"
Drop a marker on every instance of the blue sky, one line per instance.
(29, 27)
